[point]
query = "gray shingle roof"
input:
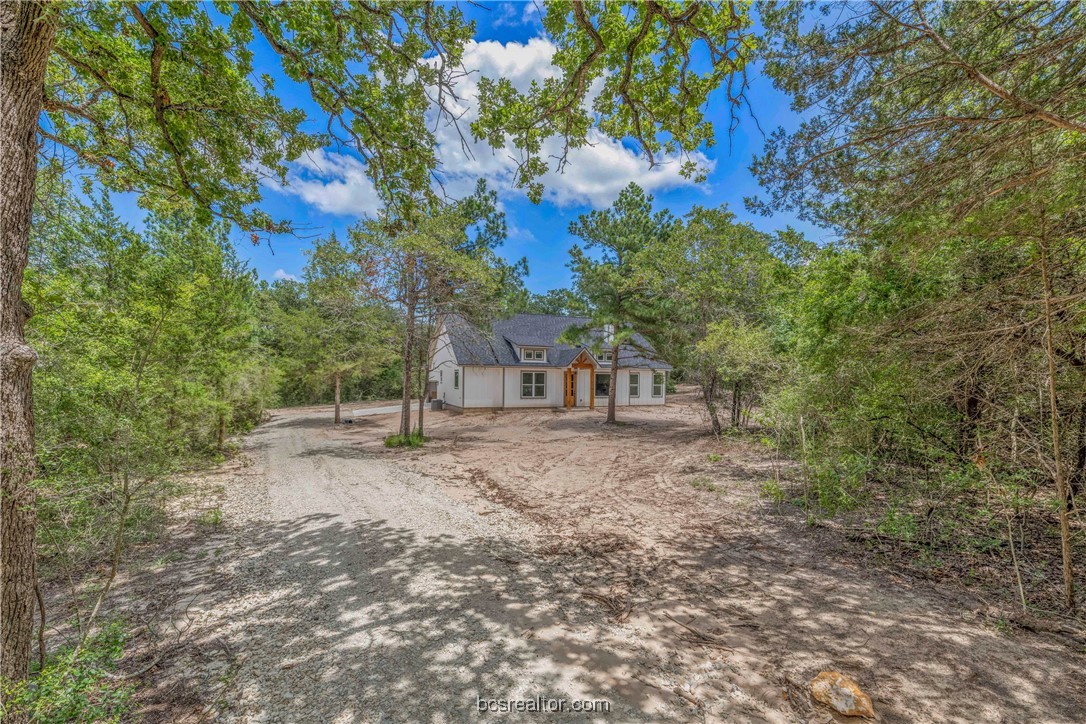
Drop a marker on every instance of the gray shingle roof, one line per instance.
(498, 346)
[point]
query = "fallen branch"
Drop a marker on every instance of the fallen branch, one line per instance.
(699, 637)
(620, 609)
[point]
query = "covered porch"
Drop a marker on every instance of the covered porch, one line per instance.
(579, 382)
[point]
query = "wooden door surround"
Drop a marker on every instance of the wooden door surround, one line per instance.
(582, 362)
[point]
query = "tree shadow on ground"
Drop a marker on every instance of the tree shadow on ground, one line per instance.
(783, 610)
(335, 620)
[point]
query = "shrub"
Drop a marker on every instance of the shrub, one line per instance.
(772, 490)
(77, 689)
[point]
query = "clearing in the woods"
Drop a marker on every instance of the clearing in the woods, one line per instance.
(541, 553)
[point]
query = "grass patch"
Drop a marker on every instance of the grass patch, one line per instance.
(704, 484)
(415, 439)
(212, 518)
(713, 458)
(76, 689)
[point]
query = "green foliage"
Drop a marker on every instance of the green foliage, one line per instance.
(147, 357)
(717, 284)
(651, 68)
(563, 302)
(898, 524)
(773, 491)
(608, 275)
(414, 440)
(77, 688)
(713, 458)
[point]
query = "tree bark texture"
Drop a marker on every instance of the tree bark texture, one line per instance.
(338, 377)
(708, 391)
(612, 389)
(27, 31)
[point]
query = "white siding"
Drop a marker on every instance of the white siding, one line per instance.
(442, 368)
(646, 390)
(554, 388)
(645, 398)
(482, 386)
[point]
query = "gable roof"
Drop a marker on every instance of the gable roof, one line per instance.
(497, 347)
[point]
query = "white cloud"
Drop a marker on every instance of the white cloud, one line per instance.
(519, 233)
(332, 182)
(532, 13)
(336, 183)
(512, 14)
(594, 174)
(282, 274)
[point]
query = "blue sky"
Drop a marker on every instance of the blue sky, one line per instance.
(328, 191)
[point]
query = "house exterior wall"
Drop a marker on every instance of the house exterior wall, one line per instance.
(482, 386)
(442, 368)
(553, 389)
(623, 394)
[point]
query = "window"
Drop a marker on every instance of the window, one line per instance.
(657, 384)
(603, 384)
(533, 384)
(456, 379)
(635, 384)
(606, 357)
(533, 355)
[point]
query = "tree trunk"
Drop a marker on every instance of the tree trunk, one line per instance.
(708, 391)
(612, 389)
(410, 301)
(423, 376)
(26, 39)
(337, 378)
(737, 397)
(1060, 472)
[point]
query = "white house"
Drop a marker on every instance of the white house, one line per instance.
(519, 362)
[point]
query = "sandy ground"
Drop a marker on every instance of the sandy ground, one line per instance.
(740, 603)
(542, 553)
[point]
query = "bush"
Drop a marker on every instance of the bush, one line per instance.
(77, 689)
(772, 490)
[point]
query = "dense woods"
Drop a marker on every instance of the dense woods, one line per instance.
(924, 369)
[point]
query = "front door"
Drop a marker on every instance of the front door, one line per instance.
(571, 388)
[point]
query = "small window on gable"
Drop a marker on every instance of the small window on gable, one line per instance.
(635, 384)
(657, 384)
(533, 355)
(456, 379)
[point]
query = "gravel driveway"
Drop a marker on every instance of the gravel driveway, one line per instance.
(349, 589)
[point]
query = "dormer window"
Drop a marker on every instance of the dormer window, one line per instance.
(606, 358)
(532, 354)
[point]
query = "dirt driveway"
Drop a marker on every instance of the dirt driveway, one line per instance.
(543, 554)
